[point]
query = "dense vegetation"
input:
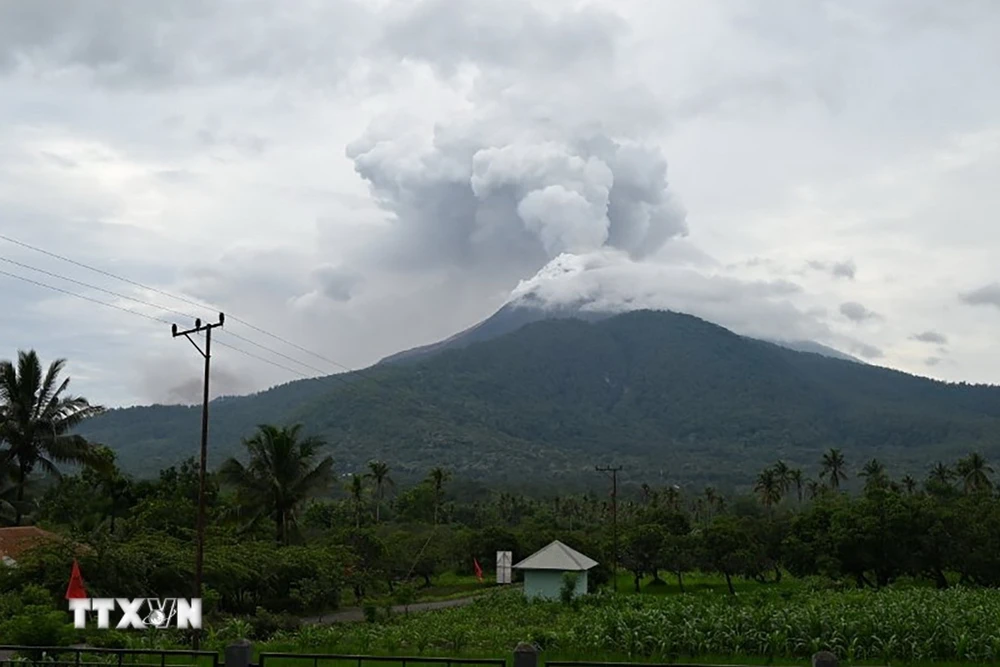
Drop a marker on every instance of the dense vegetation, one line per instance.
(849, 557)
(678, 398)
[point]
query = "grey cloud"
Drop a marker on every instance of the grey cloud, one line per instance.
(184, 42)
(987, 295)
(931, 337)
(337, 283)
(59, 160)
(932, 361)
(843, 269)
(856, 312)
(867, 351)
(512, 34)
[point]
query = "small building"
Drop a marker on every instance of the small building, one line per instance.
(544, 570)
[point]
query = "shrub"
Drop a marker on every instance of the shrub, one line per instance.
(568, 590)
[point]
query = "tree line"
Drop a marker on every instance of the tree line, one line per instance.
(325, 539)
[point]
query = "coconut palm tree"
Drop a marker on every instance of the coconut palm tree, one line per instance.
(814, 488)
(833, 466)
(378, 471)
(768, 488)
(280, 477)
(797, 479)
(437, 477)
(36, 417)
(782, 474)
(874, 475)
(357, 490)
(941, 474)
(909, 484)
(974, 473)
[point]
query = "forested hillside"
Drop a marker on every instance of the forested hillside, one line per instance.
(666, 394)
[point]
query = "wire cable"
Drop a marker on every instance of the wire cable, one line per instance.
(176, 297)
(81, 296)
(158, 320)
(159, 307)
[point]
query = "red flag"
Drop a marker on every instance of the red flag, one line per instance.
(479, 570)
(75, 589)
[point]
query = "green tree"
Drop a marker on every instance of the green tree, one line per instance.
(768, 488)
(797, 479)
(378, 472)
(874, 475)
(833, 468)
(280, 476)
(642, 549)
(974, 473)
(36, 418)
(783, 474)
(356, 488)
(437, 477)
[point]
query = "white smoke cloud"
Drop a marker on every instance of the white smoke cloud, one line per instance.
(610, 281)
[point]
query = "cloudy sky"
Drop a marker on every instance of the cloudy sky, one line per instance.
(362, 177)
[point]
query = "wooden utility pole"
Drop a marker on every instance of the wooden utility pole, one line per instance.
(614, 518)
(200, 539)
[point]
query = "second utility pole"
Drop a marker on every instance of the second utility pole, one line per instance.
(199, 558)
(614, 517)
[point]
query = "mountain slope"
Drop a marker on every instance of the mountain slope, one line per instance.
(669, 396)
(513, 316)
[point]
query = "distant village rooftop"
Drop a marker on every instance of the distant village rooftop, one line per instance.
(16, 540)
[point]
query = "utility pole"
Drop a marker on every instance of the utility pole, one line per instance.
(614, 517)
(200, 539)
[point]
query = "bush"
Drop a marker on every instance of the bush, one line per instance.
(264, 623)
(38, 626)
(568, 590)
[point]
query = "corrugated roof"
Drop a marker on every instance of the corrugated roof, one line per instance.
(557, 556)
(15, 540)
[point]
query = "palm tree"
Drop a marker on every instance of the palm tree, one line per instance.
(909, 484)
(379, 472)
(783, 474)
(941, 474)
(768, 487)
(833, 468)
(874, 475)
(814, 488)
(795, 477)
(36, 417)
(974, 473)
(437, 477)
(280, 476)
(357, 490)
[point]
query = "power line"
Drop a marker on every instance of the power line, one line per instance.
(81, 296)
(152, 318)
(176, 297)
(163, 308)
(95, 287)
(272, 351)
(103, 272)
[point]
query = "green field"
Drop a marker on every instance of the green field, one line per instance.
(779, 624)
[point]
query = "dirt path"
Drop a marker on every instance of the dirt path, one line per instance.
(357, 614)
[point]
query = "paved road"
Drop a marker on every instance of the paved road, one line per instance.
(357, 614)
